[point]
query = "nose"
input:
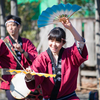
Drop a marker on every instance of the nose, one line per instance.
(10, 27)
(54, 43)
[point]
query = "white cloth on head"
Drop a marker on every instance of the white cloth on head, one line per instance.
(11, 21)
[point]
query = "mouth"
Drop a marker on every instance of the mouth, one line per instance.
(54, 49)
(11, 31)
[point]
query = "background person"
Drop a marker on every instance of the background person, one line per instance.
(25, 50)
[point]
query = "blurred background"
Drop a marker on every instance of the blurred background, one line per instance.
(29, 11)
(86, 21)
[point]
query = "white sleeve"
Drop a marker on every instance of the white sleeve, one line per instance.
(80, 44)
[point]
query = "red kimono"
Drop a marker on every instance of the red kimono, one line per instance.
(71, 60)
(8, 61)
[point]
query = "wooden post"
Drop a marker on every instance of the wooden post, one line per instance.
(90, 41)
(2, 15)
(97, 40)
(14, 10)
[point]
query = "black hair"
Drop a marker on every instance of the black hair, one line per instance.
(16, 18)
(58, 34)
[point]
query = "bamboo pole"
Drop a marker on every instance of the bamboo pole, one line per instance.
(1, 79)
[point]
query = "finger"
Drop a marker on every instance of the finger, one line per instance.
(29, 76)
(62, 22)
(14, 44)
(16, 41)
(27, 69)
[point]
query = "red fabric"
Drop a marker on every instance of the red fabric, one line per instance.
(8, 61)
(74, 98)
(71, 60)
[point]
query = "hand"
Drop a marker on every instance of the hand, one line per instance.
(28, 75)
(66, 23)
(18, 47)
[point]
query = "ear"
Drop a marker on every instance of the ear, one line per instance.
(18, 26)
(64, 42)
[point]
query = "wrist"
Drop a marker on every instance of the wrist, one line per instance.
(23, 51)
(72, 29)
(28, 80)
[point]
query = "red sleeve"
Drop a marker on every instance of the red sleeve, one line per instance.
(39, 65)
(3, 47)
(30, 49)
(78, 58)
(75, 57)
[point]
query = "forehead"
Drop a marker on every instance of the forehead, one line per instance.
(9, 22)
(55, 40)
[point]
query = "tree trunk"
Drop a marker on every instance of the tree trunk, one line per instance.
(14, 10)
(2, 16)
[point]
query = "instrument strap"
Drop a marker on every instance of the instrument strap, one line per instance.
(18, 54)
(56, 68)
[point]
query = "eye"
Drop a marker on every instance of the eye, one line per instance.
(7, 25)
(51, 40)
(58, 42)
(13, 24)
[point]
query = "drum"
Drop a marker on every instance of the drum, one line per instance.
(18, 86)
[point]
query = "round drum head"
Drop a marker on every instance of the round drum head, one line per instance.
(18, 86)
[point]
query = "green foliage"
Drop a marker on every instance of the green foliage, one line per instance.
(7, 8)
(87, 10)
(29, 13)
(29, 10)
(31, 35)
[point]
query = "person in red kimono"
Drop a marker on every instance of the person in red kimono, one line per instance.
(25, 50)
(64, 62)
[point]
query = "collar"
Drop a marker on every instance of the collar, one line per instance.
(13, 41)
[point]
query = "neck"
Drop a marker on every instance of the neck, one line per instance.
(15, 37)
(55, 54)
(55, 57)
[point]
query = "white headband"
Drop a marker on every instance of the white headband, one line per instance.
(11, 21)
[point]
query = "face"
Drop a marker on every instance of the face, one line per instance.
(55, 46)
(12, 28)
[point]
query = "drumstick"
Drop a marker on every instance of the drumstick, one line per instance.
(3, 80)
(33, 73)
(12, 51)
